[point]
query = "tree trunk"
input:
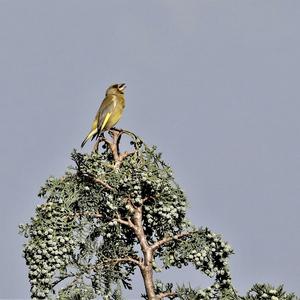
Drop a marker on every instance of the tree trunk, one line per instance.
(147, 274)
(146, 269)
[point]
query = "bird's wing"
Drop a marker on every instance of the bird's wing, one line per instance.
(105, 111)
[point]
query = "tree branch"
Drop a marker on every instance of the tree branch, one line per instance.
(125, 260)
(106, 185)
(127, 223)
(129, 202)
(166, 294)
(62, 278)
(114, 145)
(147, 269)
(147, 198)
(97, 180)
(168, 239)
(125, 154)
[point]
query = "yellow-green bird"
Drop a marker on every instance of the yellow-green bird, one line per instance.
(109, 112)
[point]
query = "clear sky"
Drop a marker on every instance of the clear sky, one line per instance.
(214, 84)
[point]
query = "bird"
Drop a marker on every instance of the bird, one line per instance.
(109, 112)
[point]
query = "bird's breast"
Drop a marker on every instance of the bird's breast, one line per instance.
(122, 102)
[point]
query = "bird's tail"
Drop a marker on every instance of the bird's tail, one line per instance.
(89, 136)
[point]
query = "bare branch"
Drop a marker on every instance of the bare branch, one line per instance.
(114, 145)
(62, 278)
(98, 180)
(124, 260)
(128, 201)
(122, 221)
(106, 185)
(166, 294)
(168, 239)
(125, 154)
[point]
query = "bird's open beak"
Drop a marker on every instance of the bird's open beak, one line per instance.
(122, 86)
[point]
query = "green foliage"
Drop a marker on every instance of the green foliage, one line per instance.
(205, 250)
(77, 291)
(50, 245)
(268, 292)
(214, 292)
(210, 293)
(79, 244)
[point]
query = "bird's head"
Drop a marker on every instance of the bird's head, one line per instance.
(117, 88)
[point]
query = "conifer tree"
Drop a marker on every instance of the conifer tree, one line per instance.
(116, 211)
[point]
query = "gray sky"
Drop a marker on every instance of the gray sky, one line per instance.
(215, 84)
